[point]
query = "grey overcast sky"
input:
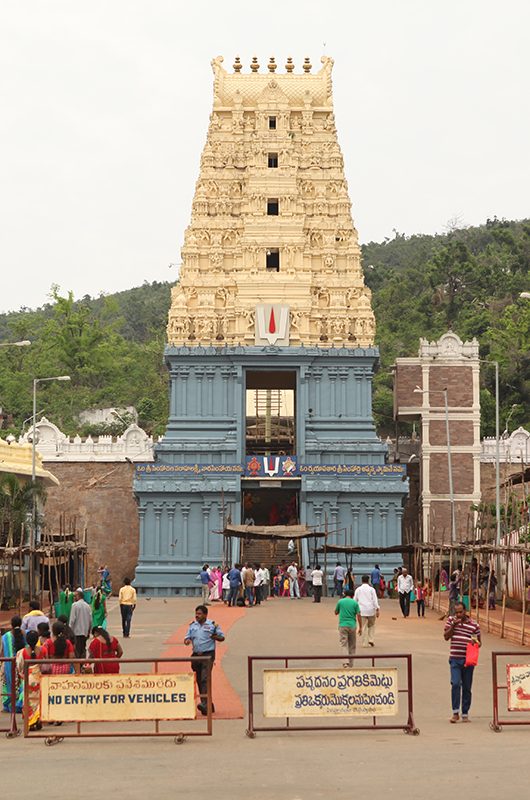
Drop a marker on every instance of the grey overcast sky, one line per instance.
(104, 107)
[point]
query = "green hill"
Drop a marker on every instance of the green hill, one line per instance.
(469, 279)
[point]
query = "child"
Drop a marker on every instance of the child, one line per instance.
(421, 594)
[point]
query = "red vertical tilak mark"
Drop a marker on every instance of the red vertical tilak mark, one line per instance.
(272, 322)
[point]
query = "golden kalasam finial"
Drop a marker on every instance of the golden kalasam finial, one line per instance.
(307, 65)
(237, 64)
(272, 64)
(289, 67)
(254, 65)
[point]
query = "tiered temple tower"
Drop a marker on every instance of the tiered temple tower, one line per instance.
(270, 340)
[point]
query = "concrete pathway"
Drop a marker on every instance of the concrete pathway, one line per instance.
(469, 760)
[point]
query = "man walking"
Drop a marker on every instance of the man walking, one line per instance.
(202, 635)
(80, 623)
(248, 582)
(404, 586)
(349, 614)
(366, 597)
(127, 601)
(461, 630)
(317, 578)
(234, 579)
(338, 579)
(294, 589)
(375, 577)
(204, 576)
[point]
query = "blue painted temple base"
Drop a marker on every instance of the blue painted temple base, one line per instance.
(198, 475)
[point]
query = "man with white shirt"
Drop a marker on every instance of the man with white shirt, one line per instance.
(317, 579)
(294, 589)
(405, 585)
(259, 579)
(366, 596)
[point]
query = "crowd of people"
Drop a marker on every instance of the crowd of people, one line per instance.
(78, 632)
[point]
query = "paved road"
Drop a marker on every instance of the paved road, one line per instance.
(468, 760)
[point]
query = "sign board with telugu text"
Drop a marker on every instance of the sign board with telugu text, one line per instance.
(518, 680)
(110, 698)
(330, 692)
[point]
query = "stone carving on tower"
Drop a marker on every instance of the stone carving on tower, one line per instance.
(271, 224)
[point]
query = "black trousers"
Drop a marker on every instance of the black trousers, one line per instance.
(126, 617)
(404, 602)
(80, 646)
(317, 593)
(201, 670)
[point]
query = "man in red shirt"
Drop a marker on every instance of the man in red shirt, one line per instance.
(460, 629)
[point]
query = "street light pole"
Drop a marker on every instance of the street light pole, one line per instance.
(497, 458)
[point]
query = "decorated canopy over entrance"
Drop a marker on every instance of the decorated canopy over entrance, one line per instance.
(271, 532)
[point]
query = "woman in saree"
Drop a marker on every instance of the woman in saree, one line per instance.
(213, 583)
(12, 641)
(99, 609)
(31, 650)
(64, 606)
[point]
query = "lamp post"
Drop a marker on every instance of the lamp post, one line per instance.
(497, 450)
(449, 462)
(36, 382)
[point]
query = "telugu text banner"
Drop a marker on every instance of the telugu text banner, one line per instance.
(330, 692)
(518, 687)
(101, 698)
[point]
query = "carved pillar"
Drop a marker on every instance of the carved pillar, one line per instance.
(225, 375)
(158, 507)
(199, 397)
(334, 513)
(357, 395)
(205, 527)
(399, 519)
(370, 519)
(317, 375)
(173, 399)
(317, 514)
(170, 543)
(332, 376)
(141, 516)
(184, 375)
(210, 375)
(343, 375)
(355, 523)
(384, 528)
(185, 511)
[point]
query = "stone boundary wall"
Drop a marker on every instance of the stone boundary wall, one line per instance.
(99, 495)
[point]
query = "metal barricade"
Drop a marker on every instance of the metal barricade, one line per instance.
(12, 731)
(180, 734)
(497, 723)
(407, 727)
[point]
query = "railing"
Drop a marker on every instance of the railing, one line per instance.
(407, 725)
(100, 682)
(12, 731)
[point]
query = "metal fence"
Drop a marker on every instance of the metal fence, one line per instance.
(497, 723)
(406, 689)
(178, 732)
(12, 731)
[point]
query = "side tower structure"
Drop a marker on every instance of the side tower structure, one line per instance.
(270, 341)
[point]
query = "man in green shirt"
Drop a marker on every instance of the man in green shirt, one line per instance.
(349, 614)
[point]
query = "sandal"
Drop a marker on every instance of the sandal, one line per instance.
(455, 718)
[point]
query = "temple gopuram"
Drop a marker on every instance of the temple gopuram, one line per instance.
(270, 343)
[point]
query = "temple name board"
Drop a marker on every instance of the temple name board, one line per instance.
(271, 467)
